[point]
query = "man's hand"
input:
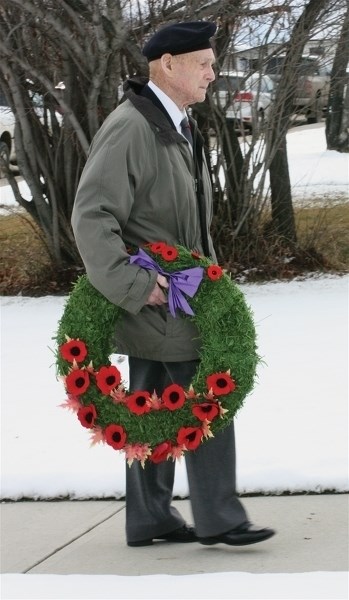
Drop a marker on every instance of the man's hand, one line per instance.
(158, 297)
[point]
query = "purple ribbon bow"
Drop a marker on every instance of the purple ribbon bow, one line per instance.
(180, 282)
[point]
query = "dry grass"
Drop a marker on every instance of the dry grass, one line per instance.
(25, 262)
(325, 228)
(322, 245)
(322, 238)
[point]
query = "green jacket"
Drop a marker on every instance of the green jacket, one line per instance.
(138, 186)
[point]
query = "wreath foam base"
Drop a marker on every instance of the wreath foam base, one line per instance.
(138, 422)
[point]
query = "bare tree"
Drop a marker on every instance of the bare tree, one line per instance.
(281, 195)
(337, 121)
(248, 165)
(240, 194)
(62, 65)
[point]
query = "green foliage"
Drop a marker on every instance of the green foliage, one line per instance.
(225, 325)
(90, 317)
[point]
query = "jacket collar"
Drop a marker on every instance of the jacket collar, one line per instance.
(148, 104)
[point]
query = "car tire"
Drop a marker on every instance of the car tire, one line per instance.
(5, 158)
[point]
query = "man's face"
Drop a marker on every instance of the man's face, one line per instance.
(191, 75)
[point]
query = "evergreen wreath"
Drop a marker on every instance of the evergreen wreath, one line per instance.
(138, 422)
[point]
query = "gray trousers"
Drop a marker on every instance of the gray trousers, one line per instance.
(210, 469)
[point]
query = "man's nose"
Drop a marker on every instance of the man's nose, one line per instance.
(212, 74)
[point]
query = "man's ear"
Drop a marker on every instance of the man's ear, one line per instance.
(166, 63)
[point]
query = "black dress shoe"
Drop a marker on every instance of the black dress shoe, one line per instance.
(240, 536)
(182, 535)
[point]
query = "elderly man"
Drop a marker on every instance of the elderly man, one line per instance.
(146, 180)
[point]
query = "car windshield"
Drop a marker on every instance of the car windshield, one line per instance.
(308, 65)
(256, 83)
(230, 83)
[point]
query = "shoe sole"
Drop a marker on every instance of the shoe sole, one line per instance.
(150, 542)
(213, 541)
(141, 543)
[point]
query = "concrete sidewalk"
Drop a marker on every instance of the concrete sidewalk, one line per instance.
(87, 537)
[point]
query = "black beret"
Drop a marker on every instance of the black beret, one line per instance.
(180, 38)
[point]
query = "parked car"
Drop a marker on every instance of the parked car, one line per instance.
(7, 128)
(246, 100)
(312, 86)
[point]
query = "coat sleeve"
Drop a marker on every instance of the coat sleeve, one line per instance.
(102, 207)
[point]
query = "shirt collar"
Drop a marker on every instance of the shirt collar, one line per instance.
(175, 113)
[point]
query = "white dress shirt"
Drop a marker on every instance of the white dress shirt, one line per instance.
(175, 113)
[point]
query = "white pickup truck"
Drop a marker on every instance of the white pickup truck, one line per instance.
(312, 87)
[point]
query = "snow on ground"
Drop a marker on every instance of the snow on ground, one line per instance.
(315, 172)
(317, 175)
(240, 586)
(292, 433)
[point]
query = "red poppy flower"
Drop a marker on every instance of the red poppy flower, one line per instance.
(161, 452)
(214, 272)
(190, 437)
(169, 253)
(139, 402)
(173, 397)
(115, 436)
(77, 381)
(157, 247)
(108, 378)
(87, 415)
(220, 383)
(73, 350)
(206, 410)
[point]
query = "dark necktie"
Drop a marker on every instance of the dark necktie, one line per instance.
(186, 130)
